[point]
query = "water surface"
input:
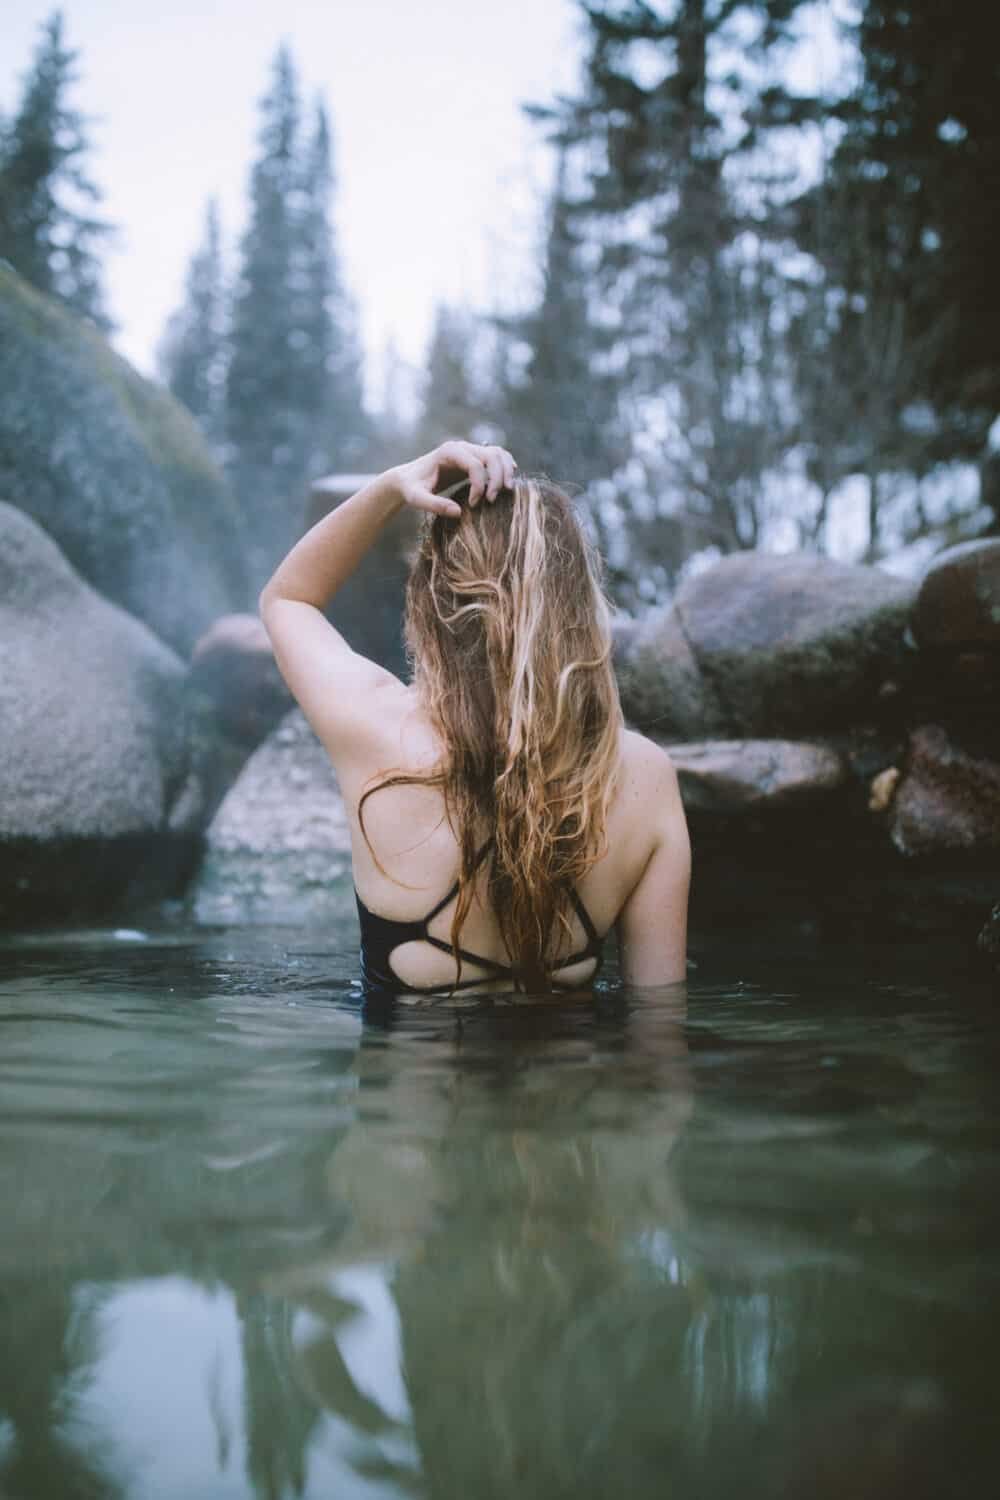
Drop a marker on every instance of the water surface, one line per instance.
(260, 1241)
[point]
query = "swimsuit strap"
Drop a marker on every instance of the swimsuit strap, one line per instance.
(466, 956)
(453, 892)
(416, 930)
(593, 935)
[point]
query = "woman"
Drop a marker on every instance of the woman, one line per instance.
(503, 820)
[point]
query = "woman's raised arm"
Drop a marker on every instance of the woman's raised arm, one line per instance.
(338, 689)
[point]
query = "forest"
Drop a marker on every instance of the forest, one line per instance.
(762, 312)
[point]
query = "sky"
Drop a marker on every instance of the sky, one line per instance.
(441, 180)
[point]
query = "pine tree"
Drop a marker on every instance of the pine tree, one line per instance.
(193, 354)
(659, 124)
(338, 430)
(564, 408)
(920, 168)
(895, 327)
(48, 232)
(450, 407)
(266, 429)
(293, 391)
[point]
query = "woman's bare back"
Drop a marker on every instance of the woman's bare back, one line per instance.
(418, 851)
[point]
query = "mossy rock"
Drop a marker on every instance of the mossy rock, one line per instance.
(115, 470)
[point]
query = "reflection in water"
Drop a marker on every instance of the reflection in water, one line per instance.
(267, 1247)
(530, 1211)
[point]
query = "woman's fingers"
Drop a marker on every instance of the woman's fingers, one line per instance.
(494, 469)
(502, 465)
(439, 505)
(490, 468)
(465, 456)
(479, 477)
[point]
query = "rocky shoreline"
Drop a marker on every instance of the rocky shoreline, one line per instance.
(882, 815)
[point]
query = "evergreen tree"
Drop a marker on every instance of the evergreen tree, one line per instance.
(337, 427)
(293, 389)
(48, 231)
(450, 407)
(920, 167)
(660, 122)
(894, 328)
(564, 409)
(264, 425)
(193, 354)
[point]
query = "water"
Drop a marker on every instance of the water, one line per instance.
(258, 1243)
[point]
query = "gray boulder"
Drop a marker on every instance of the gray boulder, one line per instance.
(734, 776)
(663, 689)
(115, 470)
(234, 672)
(279, 847)
(766, 645)
(235, 697)
(93, 745)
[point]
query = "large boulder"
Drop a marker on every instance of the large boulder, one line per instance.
(279, 847)
(93, 745)
(115, 470)
(795, 642)
(769, 645)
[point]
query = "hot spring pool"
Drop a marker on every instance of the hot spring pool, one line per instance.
(259, 1242)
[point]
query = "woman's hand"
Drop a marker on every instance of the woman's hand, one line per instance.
(487, 468)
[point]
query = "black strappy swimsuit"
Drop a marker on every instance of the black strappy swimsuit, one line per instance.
(380, 935)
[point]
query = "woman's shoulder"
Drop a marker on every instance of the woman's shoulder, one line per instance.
(648, 788)
(647, 763)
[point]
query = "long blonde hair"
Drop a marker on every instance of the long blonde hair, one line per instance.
(508, 635)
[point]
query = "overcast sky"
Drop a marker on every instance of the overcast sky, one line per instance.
(440, 177)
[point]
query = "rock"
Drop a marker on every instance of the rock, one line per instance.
(956, 621)
(115, 470)
(93, 749)
(947, 799)
(235, 697)
(989, 938)
(794, 643)
(731, 776)
(279, 847)
(663, 691)
(959, 600)
(234, 671)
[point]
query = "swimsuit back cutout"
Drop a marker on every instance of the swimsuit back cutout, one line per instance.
(380, 936)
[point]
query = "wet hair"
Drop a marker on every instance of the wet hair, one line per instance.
(507, 632)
